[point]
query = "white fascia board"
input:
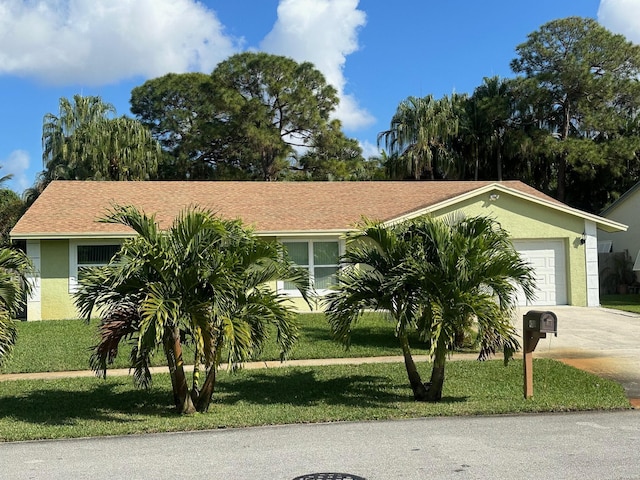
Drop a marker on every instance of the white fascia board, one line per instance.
(68, 236)
(96, 235)
(304, 233)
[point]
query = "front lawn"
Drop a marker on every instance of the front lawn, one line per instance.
(629, 302)
(59, 345)
(80, 407)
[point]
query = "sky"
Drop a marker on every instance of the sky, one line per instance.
(375, 52)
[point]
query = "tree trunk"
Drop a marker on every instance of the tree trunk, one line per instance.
(499, 161)
(419, 389)
(206, 394)
(562, 178)
(184, 404)
(195, 385)
(562, 160)
(477, 158)
(171, 363)
(434, 393)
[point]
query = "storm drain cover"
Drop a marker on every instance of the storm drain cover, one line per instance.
(329, 476)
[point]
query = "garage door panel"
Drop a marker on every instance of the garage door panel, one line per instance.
(547, 257)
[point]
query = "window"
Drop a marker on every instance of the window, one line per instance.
(88, 254)
(320, 257)
(95, 255)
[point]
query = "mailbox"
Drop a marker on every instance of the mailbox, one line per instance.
(542, 322)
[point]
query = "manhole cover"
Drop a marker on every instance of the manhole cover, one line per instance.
(329, 476)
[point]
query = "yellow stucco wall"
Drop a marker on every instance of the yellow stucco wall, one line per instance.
(525, 220)
(54, 273)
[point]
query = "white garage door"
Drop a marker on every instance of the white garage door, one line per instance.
(547, 258)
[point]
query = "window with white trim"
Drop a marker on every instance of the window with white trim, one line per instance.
(87, 254)
(321, 258)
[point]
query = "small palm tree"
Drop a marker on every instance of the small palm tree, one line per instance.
(366, 282)
(440, 276)
(204, 281)
(15, 270)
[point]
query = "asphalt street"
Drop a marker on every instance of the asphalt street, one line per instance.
(551, 446)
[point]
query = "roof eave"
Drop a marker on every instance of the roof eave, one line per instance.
(602, 223)
(96, 235)
(620, 200)
(65, 236)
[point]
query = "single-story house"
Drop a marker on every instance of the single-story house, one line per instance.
(62, 234)
(625, 210)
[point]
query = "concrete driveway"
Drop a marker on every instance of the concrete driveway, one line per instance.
(602, 341)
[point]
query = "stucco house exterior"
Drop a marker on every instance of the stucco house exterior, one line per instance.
(62, 233)
(626, 210)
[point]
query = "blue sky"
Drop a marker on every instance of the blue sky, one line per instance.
(375, 52)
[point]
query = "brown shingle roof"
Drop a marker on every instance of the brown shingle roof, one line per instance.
(72, 207)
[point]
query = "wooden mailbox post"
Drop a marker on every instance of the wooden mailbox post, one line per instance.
(535, 325)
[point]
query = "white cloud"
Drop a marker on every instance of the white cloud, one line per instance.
(369, 149)
(621, 16)
(17, 165)
(323, 32)
(99, 42)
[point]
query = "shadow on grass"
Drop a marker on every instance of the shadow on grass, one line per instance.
(70, 401)
(303, 387)
(108, 402)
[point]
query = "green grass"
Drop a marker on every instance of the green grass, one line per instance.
(629, 302)
(82, 407)
(67, 344)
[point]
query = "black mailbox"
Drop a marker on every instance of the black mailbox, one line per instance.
(539, 321)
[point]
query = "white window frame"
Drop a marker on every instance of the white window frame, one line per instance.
(311, 266)
(73, 257)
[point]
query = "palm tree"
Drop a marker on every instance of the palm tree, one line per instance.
(58, 131)
(86, 142)
(15, 270)
(419, 133)
(204, 281)
(369, 265)
(438, 276)
(495, 104)
(113, 149)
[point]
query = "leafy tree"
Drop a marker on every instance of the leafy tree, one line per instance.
(583, 90)
(11, 209)
(180, 112)
(273, 104)
(15, 270)
(435, 276)
(331, 156)
(204, 281)
(244, 121)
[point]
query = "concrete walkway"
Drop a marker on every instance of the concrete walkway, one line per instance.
(249, 366)
(602, 341)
